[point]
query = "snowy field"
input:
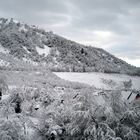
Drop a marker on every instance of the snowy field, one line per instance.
(96, 79)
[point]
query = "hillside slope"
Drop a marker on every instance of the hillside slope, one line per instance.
(36, 46)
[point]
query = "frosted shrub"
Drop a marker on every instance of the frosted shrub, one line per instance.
(11, 130)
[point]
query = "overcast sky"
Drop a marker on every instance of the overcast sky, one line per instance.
(113, 25)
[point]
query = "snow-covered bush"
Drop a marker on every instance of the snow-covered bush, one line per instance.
(11, 130)
(3, 84)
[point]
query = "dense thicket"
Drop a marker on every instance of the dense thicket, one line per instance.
(69, 113)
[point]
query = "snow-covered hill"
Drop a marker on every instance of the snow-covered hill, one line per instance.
(34, 45)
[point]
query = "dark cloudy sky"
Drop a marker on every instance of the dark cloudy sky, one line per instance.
(111, 24)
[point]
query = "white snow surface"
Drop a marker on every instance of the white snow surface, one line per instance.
(15, 21)
(44, 50)
(26, 49)
(4, 97)
(95, 78)
(30, 61)
(3, 50)
(125, 95)
(23, 28)
(3, 63)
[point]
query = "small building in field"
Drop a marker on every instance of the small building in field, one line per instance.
(137, 97)
(133, 96)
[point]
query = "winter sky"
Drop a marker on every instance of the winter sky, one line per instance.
(113, 25)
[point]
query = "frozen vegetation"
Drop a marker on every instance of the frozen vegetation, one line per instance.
(38, 105)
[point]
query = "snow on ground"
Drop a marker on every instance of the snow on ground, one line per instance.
(3, 50)
(4, 97)
(3, 63)
(100, 100)
(23, 28)
(96, 79)
(30, 61)
(12, 87)
(38, 72)
(15, 21)
(44, 50)
(26, 49)
(41, 35)
(125, 95)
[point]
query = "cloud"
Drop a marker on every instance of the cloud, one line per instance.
(134, 62)
(130, 49)
(111, 24)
